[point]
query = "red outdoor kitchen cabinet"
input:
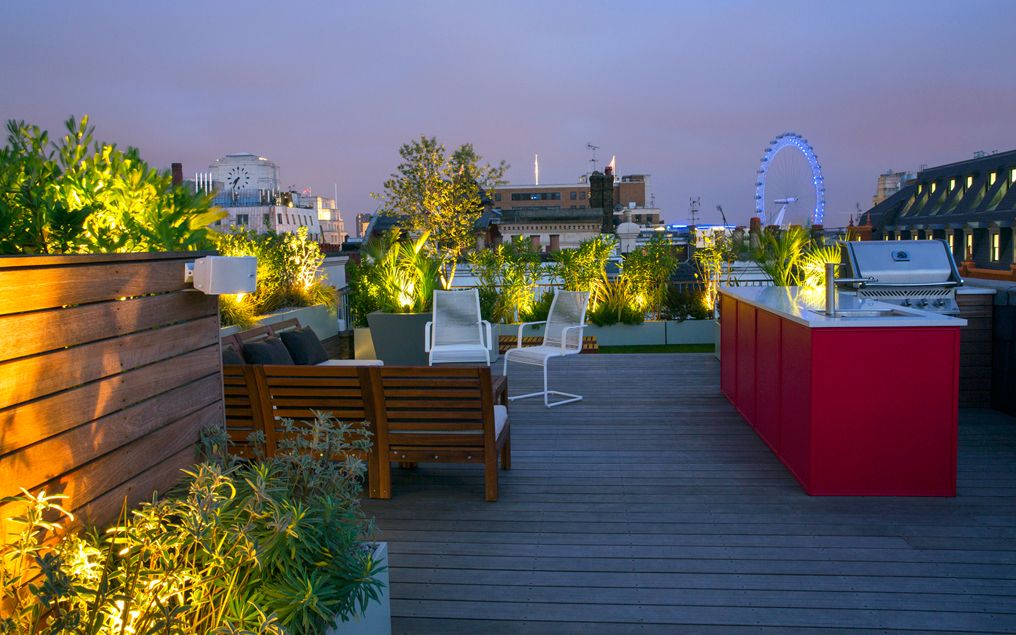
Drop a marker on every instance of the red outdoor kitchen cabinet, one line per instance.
(851, 407)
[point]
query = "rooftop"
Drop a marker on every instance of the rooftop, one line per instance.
(651, 507)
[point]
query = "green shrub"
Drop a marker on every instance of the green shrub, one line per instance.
(582, 269)
(76, 196)
(508, 275)
(270, 546)
(647, 270)
(288, 274)
(394, 275)
(615, 303)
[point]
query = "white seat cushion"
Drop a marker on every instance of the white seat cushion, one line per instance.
(459, 353)
(537, 354)
(500, 417)
(352, 362)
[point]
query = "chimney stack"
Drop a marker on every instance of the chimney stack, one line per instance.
(177, 169)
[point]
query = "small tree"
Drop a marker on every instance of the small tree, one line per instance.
(440, 196)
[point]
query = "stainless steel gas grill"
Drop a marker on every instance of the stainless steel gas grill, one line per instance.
(917, 273)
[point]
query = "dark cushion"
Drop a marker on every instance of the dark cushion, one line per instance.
(231, 356)
(270, 350)
(304, 346)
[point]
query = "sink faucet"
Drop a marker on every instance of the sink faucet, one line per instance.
(830, 285)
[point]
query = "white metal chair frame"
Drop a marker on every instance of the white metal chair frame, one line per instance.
(477, 350)
(541, 355)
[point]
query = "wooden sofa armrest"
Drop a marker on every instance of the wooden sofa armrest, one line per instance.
(499, 386)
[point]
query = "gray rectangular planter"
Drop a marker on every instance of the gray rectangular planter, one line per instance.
(690, 332)
(363, 345)
(377, 619)
(398, 337)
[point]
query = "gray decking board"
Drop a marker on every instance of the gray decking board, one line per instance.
(652, 507)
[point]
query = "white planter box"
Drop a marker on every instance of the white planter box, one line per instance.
(690, 332)
(377, 619)
(316, 317)
(645, 334)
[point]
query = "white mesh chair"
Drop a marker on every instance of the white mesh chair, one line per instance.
(456, 332)
(563, 336)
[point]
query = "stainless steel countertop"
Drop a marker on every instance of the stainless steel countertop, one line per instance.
(807, 306)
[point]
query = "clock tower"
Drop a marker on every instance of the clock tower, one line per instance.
(244, 171)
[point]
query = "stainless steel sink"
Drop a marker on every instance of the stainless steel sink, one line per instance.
(867, 313)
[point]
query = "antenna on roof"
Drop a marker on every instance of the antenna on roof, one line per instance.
(590, 146)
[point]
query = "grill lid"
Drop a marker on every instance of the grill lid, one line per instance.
(903, 262)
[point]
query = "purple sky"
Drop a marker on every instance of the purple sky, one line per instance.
(689, 92)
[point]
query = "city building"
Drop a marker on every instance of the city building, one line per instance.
(889, 183)
(627, 190)
(561, 216)
(971, 204)
(247, 187)
(550, 229)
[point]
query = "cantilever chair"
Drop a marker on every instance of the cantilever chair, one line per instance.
(456, 332)
(562, 337)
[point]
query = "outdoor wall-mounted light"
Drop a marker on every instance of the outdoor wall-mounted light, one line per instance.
(219, 275)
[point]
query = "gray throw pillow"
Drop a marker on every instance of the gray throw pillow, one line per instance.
(304, 346)
(270, 350)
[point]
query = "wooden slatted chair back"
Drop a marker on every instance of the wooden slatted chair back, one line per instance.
(435, 407)
(295, 392)
(244, 410)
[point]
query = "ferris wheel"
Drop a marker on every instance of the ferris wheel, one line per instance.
(790, 188)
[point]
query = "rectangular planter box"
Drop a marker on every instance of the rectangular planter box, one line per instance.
(399, 337)
(645, 334)
(377, 619)
(649, 333)
(316, 317)
(690, 332)
(363, 345)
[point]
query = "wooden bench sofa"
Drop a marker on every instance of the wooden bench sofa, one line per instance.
(414, 414)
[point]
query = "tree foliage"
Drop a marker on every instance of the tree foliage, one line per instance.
(82, 196)
(440, 195)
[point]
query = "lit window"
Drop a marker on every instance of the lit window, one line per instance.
(920, 188)
(952, 184)
(1012, 176)
(934, 186)
(994, 247)
(970, 246)
(951, 248)
(970, 181)
(280, 218)
(992, 177)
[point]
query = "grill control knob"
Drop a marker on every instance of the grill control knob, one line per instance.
(939, 302)
(906, 302)
(922, 303)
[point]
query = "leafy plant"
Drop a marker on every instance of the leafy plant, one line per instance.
(394, 275)
(582, 269)
(791, 258)
(81, 196)
(440, 197)
(271, 546)
(288, 274)
(615, 302)
(647, 270)
(508, 276)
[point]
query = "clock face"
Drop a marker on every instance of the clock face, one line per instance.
(237, 178)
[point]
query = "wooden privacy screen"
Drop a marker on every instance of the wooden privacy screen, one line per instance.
(109, 369)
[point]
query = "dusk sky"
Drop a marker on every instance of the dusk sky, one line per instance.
(688, 92)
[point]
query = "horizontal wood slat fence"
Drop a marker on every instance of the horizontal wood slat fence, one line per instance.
(109, 369)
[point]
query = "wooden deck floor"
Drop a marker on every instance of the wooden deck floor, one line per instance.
(651, 507)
